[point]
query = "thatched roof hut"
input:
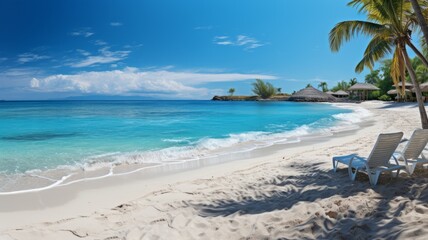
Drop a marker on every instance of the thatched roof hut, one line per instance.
(340, 93)
(310, 94)
(406, 84)
(363, 89)
(423, 86)
(394, 91)
(329, 92)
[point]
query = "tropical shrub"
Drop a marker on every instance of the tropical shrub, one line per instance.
(264, 90)
(385, 98)
(342, 85)
(375, 95)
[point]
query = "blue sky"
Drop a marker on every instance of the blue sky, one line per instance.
(171, 49)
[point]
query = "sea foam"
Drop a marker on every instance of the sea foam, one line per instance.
(204, 148)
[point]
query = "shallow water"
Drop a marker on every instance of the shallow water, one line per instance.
(89, 135)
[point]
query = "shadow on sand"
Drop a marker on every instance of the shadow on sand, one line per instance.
(317, 185)
(390, 105)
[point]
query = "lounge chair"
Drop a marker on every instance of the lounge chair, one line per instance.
(378, 160)
(412, 152)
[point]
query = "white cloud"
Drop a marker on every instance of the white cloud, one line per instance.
(224, 43)
(30, 57)
(2, 59)
(83, 52)
(100, 43)
(19, 72)
(220, 37)
(133, 46)
(34, 83)
(104, 56)
(116, 24)
(241, 40)
(132, 81)
(203, 28)
(85, 32)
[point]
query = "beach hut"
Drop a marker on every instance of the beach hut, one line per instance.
(423, 86)
(406, 85)
(400, 95)
(394, 91)
(329, 92)
(363, 90)
(340, 94)
(424, 89)
(310, 94)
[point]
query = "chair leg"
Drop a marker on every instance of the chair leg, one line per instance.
(411, 168)
(395, 174)
(352, 174)
(373, 177)
(335, 163)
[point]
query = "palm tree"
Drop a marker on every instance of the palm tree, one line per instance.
(389, 27)
(421, 18)
(342, 85)
(373, 77)
(323, 86)
(352, 81)
(409, 17)
(231, 91)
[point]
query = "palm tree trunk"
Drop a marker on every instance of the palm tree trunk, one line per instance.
(422, 111)
(421, 20)
(418, 53)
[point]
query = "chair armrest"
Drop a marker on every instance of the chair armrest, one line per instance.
(399, 154)
(396, 160)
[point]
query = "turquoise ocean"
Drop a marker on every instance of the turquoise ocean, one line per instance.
(39, 136)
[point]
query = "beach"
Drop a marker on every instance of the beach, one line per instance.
(271, 193)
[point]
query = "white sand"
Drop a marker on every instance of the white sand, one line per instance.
(288, 194)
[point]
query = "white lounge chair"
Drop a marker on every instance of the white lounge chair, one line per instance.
(378, 160)
(412, 152)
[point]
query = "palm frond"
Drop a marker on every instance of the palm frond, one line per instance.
(361, 5)
(344, 31)
(377, 49)
(398, 69)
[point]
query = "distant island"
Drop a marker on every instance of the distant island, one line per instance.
(264, 92)
(278, 97)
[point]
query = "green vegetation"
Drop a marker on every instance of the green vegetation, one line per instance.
(385, 98)
(231, 91)
(264, 90)
(382, 79)
(352, 82)
(390, 24)
(342, 85)
(323, 86)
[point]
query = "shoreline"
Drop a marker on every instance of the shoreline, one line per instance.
(23, 200)
(41, 180)
(133, 196)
